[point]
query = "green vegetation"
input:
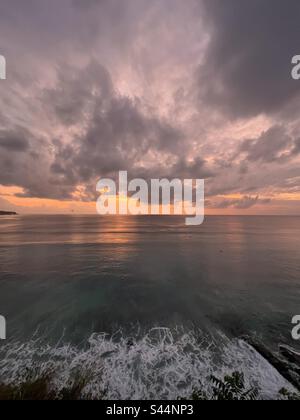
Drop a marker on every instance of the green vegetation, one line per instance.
(288, 396)
(39, 389)
(30, 390)
(231, 388)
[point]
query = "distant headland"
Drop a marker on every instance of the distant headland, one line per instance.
(8, 213)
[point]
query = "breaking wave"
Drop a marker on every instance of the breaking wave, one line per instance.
(161, 364)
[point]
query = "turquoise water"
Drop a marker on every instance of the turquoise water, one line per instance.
(237, 274)
(79, 275)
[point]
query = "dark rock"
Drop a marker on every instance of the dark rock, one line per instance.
(288, 370)
(290, 354)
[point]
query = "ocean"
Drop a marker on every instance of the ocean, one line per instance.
(148, 304)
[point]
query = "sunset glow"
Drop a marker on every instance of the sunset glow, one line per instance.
(149, 95)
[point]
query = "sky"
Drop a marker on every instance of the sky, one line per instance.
(160, 88)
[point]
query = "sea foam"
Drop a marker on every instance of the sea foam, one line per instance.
(161, 364)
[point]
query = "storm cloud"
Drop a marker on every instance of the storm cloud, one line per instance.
(15, 141)
(247, 69)
(167, 88)
(274, 145)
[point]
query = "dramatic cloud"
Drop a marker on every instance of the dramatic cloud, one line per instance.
(275, 145)
(247, 69)
(14, 141)
(160, 88)
(113, 132)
